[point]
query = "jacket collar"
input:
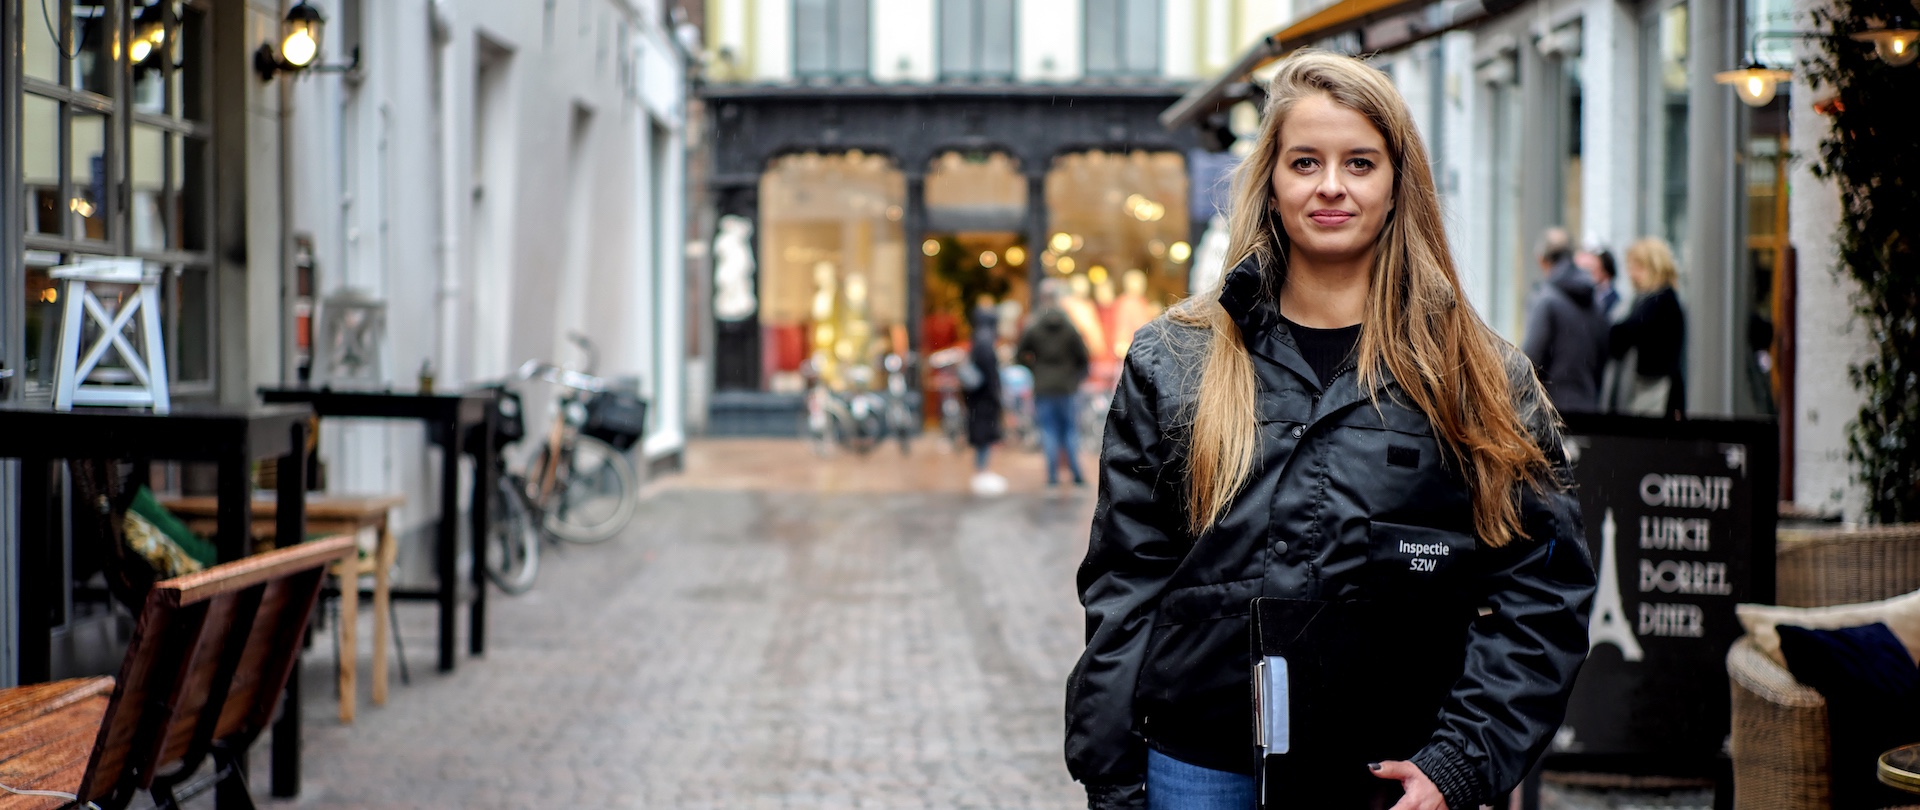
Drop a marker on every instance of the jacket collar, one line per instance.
(1249, 300)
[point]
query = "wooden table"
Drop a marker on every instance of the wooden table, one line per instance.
(47, 732)
(230, 438)
(326, 515)
(448, 416)
(1900, 768)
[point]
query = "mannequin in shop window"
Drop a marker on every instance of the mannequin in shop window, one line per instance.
(826, 291)
(1080, 309)
(1131, 310)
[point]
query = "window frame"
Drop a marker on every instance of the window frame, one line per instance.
(179, 201)
(977, 74)
(1120, 37)
(834, 72)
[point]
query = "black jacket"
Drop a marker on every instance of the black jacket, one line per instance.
(1566, 339)
(1343, 497)
(1657, 328)
(983, 403)
(1054, 351)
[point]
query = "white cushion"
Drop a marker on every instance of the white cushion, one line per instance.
(1901, 614)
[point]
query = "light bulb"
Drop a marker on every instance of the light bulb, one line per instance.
(300, 48)
(140, 50)
(1755, 84)
(1894, 44)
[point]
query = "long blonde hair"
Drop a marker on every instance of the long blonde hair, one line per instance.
(1653, 254)
(1448, 362)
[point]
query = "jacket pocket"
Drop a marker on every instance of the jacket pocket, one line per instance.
(1203, 602)
(1417, 558)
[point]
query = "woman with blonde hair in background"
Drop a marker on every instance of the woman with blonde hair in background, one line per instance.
(1333, 425)
(1655, 330)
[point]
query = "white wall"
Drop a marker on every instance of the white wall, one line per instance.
(1052, 38)
(903, 47)
(441, 184)
(1179, 40)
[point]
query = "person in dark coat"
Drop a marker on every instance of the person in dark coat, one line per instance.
(1655, 331)
(984, 415)
(1332, 426)
(1566, 335)
(1056, 354)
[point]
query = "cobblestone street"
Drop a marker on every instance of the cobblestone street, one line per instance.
(774, 631)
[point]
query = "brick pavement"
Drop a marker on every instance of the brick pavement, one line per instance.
(774, 631)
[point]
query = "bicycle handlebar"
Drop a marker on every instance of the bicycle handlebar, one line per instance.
(536, 369)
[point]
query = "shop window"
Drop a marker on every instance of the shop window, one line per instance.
(976, 40)
(1118, 235)
(1663, 182)
(833, 283)
(1122, 37)
(830, 39)
(975, 246)
(115, 162)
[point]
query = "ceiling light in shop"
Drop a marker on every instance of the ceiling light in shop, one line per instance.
(1046, 258)
(1065, 264)
(1078, 243)
(988, 260)
(1016, 255)
(1096, 274)
(1180, 251)
(893, 213)
(1157, 248)
(931, 247)
(1062, 242)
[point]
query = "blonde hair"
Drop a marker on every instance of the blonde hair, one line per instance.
(1449, 363)
(1653, 254)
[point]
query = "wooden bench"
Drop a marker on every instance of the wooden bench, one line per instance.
(327, 515)
(209, 658)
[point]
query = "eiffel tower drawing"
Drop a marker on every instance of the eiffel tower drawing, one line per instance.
(1609, 625)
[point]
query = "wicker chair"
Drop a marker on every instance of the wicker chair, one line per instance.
(1780, 743)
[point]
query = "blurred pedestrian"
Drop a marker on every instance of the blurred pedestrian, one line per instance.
(1057, 355)
(1334, 428)
(984, 412)
(1655, 331)
(1566, 335)
(1599, 264)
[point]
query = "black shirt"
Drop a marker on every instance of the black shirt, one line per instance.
(1327, 350)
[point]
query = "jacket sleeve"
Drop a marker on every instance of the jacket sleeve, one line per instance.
(1537, 343)
(1521, 658)
(1136, 542)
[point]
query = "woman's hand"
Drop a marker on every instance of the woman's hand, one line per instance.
(1421, 794)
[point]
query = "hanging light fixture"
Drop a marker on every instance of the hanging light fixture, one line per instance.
(149, 33)
(299, 48)
(1897, 43)
(1756, 83)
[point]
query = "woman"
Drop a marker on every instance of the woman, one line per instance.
(1334, 423)
(1655, 330)
(983, 400)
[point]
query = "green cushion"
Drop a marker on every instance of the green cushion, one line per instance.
(170, 530)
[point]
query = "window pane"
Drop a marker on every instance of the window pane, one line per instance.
(996, 38)
(147, 180)
(37, 33)
(189, 77)
(958, 37)
(40, 167)
(1103, 31)
(88, 165)
(43, 317)
(192, 328)
(93, 66)
(1141, 32)
(851, 48)
(811, 36)
(191, 194)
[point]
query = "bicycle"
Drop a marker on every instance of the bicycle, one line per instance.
(855, 420)
(900, 401)
(946, 388)
(579, 487)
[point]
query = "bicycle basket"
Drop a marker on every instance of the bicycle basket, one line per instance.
(618, 418)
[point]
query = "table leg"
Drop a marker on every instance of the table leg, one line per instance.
(382, 611)
(290, 527)
(290, 509)
(347, 571)
(286, 739)
(37, 590)
(483, 491)
(233, 528)
(448, 543)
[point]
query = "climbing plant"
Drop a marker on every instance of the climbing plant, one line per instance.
(1873, 155)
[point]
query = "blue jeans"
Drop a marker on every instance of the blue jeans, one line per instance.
(1055, 416)
(1176, 785)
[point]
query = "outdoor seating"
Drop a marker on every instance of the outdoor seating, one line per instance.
(1781, 744)
(331, 515)
(210, 655)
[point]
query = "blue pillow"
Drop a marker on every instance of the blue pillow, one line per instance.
(1873, 703)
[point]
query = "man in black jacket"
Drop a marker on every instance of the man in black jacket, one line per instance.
(1566, 335)
(1056, 354)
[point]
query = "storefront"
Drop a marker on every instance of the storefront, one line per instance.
(878, 219)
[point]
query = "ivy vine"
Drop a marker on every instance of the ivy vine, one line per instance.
(1873, 155)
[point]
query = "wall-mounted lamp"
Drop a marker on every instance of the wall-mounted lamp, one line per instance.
(1895, 43)
(299, 48)
(1756, 83)
(149, 33)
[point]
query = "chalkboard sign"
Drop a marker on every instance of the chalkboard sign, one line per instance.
(1679, 518)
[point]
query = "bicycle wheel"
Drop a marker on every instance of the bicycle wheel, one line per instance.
(513, 545)
(595, 496)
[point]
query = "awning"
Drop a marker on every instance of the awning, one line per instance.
(1412, 20)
